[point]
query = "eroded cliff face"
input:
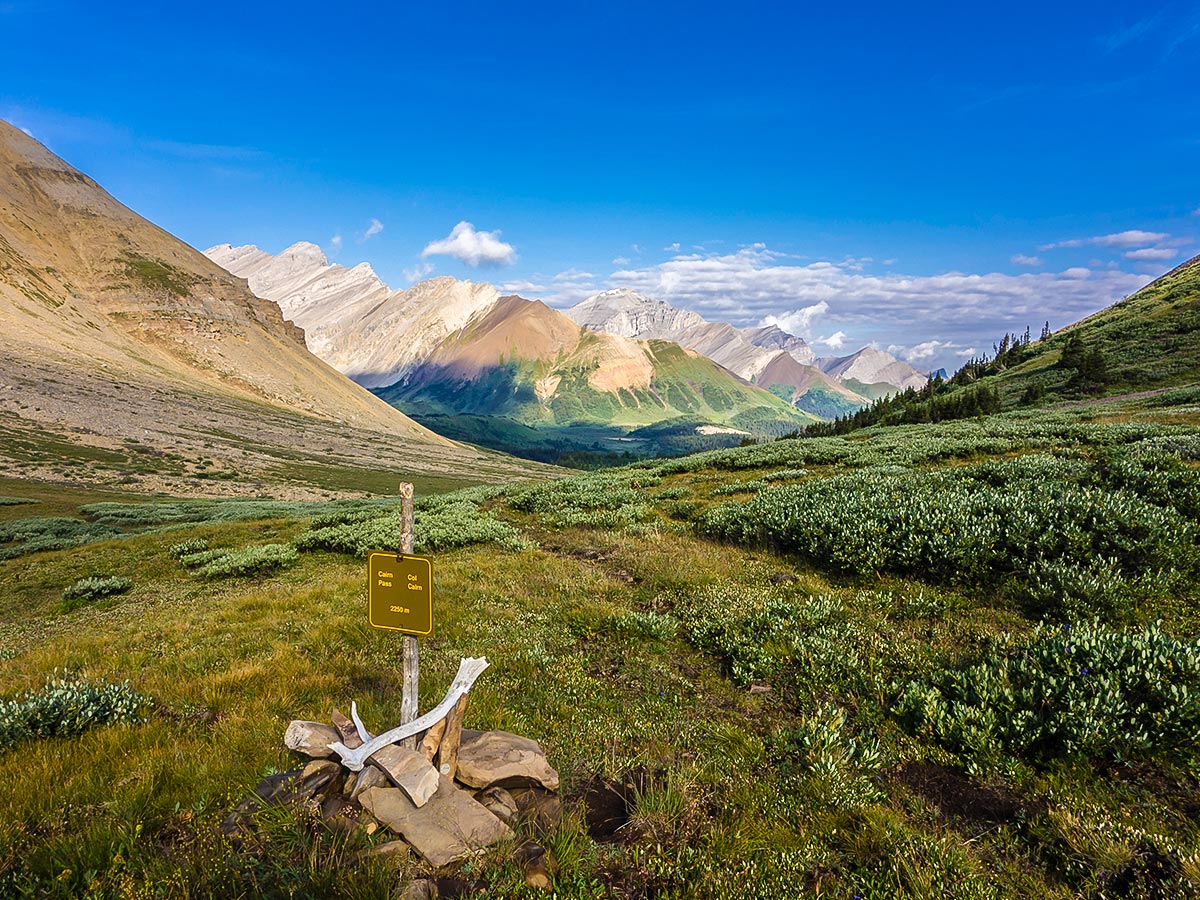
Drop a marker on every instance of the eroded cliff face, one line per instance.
(352, 320)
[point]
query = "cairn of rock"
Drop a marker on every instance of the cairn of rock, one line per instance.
(445, 791)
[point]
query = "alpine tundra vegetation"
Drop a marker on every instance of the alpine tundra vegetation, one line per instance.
(954, 660)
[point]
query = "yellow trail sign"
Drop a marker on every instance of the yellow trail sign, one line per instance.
(400, 592)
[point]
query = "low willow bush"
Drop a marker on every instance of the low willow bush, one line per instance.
(201, 558)
(1038, 527)
(67, 706)
(259, 559)
(15, 501)
(95, 587)
(454, 522)
(762, 633)
(609, 490)
(616, 500)
(19, 537)
(650, 626)
(836, 766)
(1083, 691)
(749, 629)
(739, 487)
(187, 548)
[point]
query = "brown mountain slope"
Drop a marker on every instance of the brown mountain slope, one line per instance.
(521, 359)
(785, 371)
(112, 331)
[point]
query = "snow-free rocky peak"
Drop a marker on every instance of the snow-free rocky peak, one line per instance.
(629, 314)
(351, 319)
(872, 366)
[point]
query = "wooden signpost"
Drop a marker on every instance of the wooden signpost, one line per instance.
(400, 598)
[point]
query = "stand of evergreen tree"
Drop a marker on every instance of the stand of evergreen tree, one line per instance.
(965, 394)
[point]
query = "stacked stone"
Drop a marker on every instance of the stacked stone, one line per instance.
(447, 806)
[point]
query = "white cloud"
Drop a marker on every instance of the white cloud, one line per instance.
(965, 352)
(523, 287)
(1077, 272)
(637, 251)
(621, 261)
(475, 248)
(798, 321)
(835, 341)
(1153, 254)
(373, 228)
(419, 271)
(925, 350)
(672, 248)
(573, 274)
(30, 133)
(1131, 238)
(1020, 259)
(335, 243)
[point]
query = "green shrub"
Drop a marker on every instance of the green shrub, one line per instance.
(24, 536)
(1038, 527)
(1083, 691)
(87, 590)
(188, 548)
(67, 706)
(453, 522)
(15, 501)
(839, 767)
(646, 625)
(201, 558)
(751, 629)
(255, 560)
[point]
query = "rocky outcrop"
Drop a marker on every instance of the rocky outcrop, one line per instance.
(497, 782)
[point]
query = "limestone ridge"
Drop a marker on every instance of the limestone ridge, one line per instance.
(630, 314)
(873, 367)
(352, 320)
(768, 356)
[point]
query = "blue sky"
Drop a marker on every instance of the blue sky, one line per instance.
(918, 176)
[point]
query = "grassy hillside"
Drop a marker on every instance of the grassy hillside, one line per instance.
(921, 662)
(1148, 343)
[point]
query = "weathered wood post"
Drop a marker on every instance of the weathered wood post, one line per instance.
(410, 664)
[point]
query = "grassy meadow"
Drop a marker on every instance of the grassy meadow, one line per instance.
(953, 661)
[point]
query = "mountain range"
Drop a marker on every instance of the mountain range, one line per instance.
(447, 348)
(768, 356)
(136, 356)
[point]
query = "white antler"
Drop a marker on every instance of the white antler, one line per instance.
(363, 734)
(354, 760)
